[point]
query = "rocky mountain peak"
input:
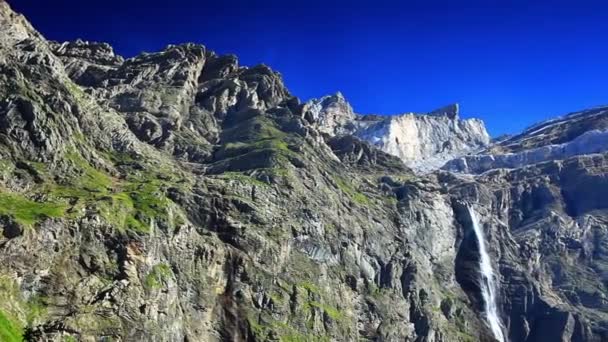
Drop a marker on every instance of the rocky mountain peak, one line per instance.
(332, 114)
(14, 26)
(94, 52)
(219, 66)
(424, 142)
(451, 111)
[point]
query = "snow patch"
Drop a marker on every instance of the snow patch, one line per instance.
(590, 142)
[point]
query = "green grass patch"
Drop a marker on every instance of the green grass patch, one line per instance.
(146, 201)
(158, 275)
(90, 179)
(129, 204)
(256, 142)
(135, 205)
(332, 312)
(374, 291)
(258, 127)
(15, 312)
(259, 331)
(310, 287)
(36, 308)
(27, 212)
(253, 134)
(38, 166)
(10, 331)
(349, 190)
(147, 198)
(119, 158)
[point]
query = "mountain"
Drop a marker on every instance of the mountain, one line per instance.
(584, 132)
(179, 196)
(424, 142)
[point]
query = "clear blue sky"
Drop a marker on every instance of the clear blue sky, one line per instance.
(510, 63)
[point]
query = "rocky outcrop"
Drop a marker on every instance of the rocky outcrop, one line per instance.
(424, 142)
(86, 62)
(332, 115)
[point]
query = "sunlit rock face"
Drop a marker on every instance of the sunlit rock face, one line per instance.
(332, 114)
(578, 133)
(424, 142)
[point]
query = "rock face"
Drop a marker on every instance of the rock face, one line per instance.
(175, 99)
(424, 142)
(178, 196)
(578, 133)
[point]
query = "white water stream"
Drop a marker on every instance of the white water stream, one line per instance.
(487, 281)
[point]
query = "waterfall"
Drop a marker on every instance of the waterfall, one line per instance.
(487, 282)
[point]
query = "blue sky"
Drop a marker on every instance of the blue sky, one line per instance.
(510, 63)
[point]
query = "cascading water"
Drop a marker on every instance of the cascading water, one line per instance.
(487, 281)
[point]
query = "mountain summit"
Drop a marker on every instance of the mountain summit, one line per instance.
(180, 196)
(424, 142)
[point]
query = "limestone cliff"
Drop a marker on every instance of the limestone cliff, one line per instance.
(424, 142)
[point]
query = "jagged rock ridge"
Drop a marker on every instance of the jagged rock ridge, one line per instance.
(578, 133)
(423, 142)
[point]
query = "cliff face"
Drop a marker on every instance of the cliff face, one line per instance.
(578, 133)
(179, 196)
(546, 224)
(424, 142)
